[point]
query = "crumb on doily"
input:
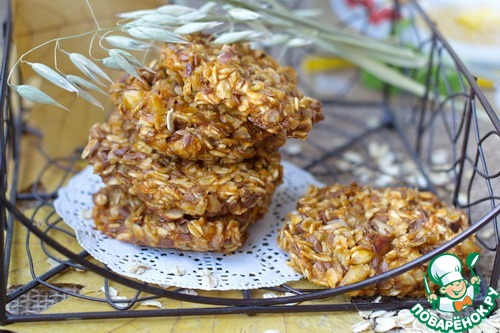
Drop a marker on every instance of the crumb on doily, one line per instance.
(152, 303)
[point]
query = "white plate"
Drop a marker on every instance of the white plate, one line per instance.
(481, 58)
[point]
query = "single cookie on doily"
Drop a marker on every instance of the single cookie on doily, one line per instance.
(175, 126)
(244, 80)
(341, 235)
(126, 218)
(174, 186)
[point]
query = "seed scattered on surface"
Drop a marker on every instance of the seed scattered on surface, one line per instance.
(293, 148)
(377, 314)
(270, 295)
(462, 199)
(439, 178)
(487, 232)
(362, 326)
(52, 263)
(170, 120)
(439, 156)
(384, 324)
(179, 271)
(365, 314)
(209, 279)
(405, 318)
(343, 165)
(86, 214)
(389, 314)
(373, 122)
(404, 321)
(152, 303)
(353, 157)
(383, 181)
(138, 268)
(112, 292)
(377, 150)
(274, 295)
(421, 327)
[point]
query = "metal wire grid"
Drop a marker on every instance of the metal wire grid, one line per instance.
(460, 111)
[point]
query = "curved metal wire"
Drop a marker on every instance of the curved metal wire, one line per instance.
(321, 294)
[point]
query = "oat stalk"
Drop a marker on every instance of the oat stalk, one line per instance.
(265, 22)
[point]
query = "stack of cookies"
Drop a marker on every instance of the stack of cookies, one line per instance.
(190, 156)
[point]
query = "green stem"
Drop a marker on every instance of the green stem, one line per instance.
(334, 34)
(52, 41)
(93, 15)
(380, 70)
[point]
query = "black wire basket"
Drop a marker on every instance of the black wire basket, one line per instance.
(453, 117)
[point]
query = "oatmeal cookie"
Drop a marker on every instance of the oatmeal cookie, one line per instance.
(245, 80)
(177, 186)
(126, 218)
(341, 235)
(175, 126)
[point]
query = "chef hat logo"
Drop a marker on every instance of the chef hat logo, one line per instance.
(445, 269)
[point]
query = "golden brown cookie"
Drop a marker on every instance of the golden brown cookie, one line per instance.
(126, 218)
(176, 186)
(341, 234)
(242, 79)
(174, 125)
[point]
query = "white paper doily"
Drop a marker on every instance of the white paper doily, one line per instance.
(259, 263)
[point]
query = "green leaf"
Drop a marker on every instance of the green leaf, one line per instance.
(382, 71)
(159, 19)
(276, 39)
(174, 10)
(195, 27)
(190, 17)
(121, 61)
(314, 28)
(134, 61)
(127, 43)
(88, 67)
(110, 63)
(241, 14)
(89, 98)
(158, 34)
(308, 12)
(35, 95)
(207, 7)
(257, 25)
(135, 13)
(52, 76)
(233, 37)
(79, 82)
(298, 42)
